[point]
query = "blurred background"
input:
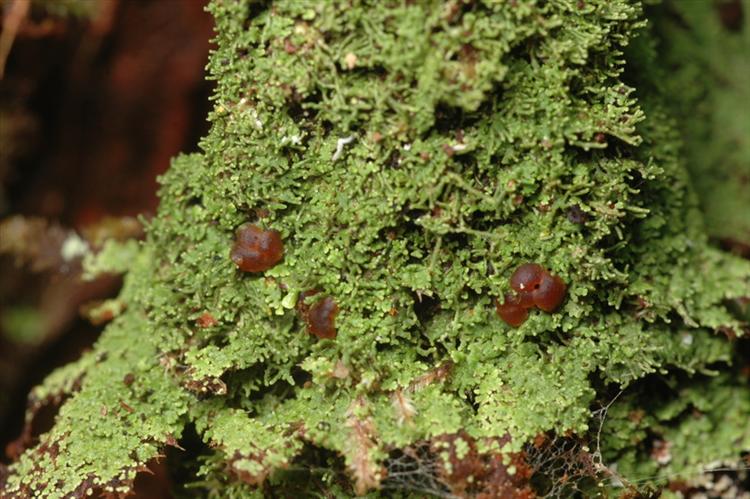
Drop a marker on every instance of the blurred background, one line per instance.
(96, 96)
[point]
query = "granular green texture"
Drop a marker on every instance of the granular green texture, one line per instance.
(412, 155)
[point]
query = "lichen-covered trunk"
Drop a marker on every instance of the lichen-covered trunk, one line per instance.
(389, 165)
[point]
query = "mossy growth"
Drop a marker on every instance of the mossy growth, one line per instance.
(412, 155)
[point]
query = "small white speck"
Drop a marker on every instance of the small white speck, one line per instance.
(73, 247)
(294, 140)
(459, 147)
(256, 120)
(340, 146)
(687, 339)
(407, 147)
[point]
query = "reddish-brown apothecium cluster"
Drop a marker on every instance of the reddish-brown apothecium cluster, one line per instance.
(255, 249)
(532, 287)
(320, 317)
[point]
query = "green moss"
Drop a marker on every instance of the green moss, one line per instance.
(411, 155)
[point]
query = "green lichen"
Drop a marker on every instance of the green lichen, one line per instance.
(113, 257)
(411, 155)
(679, 428)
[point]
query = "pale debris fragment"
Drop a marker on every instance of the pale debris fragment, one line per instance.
(365, 470)
(340, 146)
(351, 60)
(405, 410)
(73, 247)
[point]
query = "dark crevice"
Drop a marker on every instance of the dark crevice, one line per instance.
(731, 14)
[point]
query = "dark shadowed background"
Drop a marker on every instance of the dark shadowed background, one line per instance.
(96, 97)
